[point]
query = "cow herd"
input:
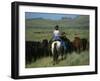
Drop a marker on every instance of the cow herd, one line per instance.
(37, 49)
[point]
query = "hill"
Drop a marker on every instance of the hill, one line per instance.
(81, 21)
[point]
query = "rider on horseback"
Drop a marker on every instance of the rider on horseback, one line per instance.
(57, 36)
(56, 33)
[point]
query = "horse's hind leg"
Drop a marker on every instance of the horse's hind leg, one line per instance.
(55, 59)
(62, 52)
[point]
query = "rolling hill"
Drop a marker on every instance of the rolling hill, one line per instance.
(81, 21)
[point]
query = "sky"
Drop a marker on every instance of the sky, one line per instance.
(52, 16)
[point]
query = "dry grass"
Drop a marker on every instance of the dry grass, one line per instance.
(73, 59)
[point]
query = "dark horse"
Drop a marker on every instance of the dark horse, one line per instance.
(68, 44)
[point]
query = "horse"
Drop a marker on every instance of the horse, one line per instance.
(57, 49)
(68, 44)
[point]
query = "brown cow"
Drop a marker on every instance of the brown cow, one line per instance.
(77, 45)
(80, 44)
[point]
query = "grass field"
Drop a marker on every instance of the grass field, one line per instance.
(40, 34)
(73, 59)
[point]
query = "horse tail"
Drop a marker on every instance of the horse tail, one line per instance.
(55, 55)
(55, 47)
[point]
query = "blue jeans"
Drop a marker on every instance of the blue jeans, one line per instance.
(56, 38)
(63, 44)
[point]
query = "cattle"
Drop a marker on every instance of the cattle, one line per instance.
(32, 50)
(28, 51)
(36, 50)
(85, 44)
(80, 44)
(45, 47)
(77, 45)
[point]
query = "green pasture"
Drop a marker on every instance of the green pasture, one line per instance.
(73, 59)
(33, 34)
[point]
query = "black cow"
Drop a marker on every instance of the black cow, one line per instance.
(44, 47)
(85, 44)
(28, 51)
(36, 50)
(32, 49)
